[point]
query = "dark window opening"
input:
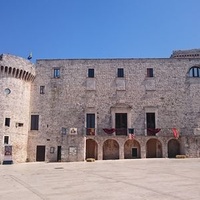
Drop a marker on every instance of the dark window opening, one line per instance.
(151, 125)
(6, 139)
(7, 122)
(90, 124)
(42, 89)
(91, 73)
(120, 72)
(34, 122)
(194, 72)
(19, 124)
(121, 123)
(149, 72)
(56, 73)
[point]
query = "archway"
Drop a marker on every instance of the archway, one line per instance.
(131, 149)
(91, 149)
(110, 150)
(173, 148)
(153, 148)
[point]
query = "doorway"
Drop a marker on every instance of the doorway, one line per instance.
(91, 149)
(173, 148)
(58, 153)
(153, 148)
(40, 153)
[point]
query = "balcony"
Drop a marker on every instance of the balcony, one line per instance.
(108, 131)
(164, 132)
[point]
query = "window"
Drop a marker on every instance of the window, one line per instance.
(120, 72)
(149, 72)
(90, 124)
(151, 124)
(34, 122)
(19, 125)
(150, 120)
(121, 123)
(57, 73)
(194, 72)
(7, 122)
(6, 140)
(42, 89)
(90, 120)
(91, 73)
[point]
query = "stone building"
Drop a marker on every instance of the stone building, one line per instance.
(73, 109)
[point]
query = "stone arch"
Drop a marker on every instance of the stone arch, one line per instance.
(26, 75)
(20, 74)
(153, 148)
(10, 70)
(23, 75)
(173, 148)
(29, 77)
(132, 149)
(91, 149)
(110, 150)
(13, 72)
(17, 73)
(6, 70)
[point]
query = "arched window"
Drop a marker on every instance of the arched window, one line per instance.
(194, 72)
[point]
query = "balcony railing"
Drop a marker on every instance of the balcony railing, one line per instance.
(107, 131)
(135, 131)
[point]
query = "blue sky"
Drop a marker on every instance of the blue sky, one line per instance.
(98, 28)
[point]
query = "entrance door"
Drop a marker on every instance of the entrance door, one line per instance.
(134, 153)
(40, 153)
(121, 123)
(59, 154)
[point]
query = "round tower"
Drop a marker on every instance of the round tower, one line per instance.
(16, 76)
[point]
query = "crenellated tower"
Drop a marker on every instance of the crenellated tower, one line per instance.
(16, 76)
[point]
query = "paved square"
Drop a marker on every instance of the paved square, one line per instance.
(151, 179)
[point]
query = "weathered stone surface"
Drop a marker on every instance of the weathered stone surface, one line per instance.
(171, 94)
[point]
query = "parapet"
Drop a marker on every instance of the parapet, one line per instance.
(17, 67)
(192, 53)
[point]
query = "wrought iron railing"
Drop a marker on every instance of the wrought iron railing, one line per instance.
(135, 131)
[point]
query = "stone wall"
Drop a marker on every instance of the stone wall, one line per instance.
(171, 94)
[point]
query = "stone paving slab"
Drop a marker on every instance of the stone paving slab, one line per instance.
(143, 179)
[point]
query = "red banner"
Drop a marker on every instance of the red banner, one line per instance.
(109, 130)
(175, 132)
(131, 136)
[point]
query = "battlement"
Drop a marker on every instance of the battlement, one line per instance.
(192, 53)
(17, 67)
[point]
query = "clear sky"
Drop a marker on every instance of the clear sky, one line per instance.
(98, 28)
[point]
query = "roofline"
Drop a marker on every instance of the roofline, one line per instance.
(104, 59)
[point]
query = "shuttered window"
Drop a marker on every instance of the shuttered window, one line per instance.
(120, 72)
(90, 120)
(91, 73)
(34, 122)
(149, 72)
(7, 121)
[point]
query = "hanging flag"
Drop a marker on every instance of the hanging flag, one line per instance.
(131, 136)
(153, 131)
(175, 132)
(30, 56)
(109, 130)
(90, 131)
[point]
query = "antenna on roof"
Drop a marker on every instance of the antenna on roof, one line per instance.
(30, 56)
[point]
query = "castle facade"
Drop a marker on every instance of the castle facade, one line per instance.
(74, 109)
